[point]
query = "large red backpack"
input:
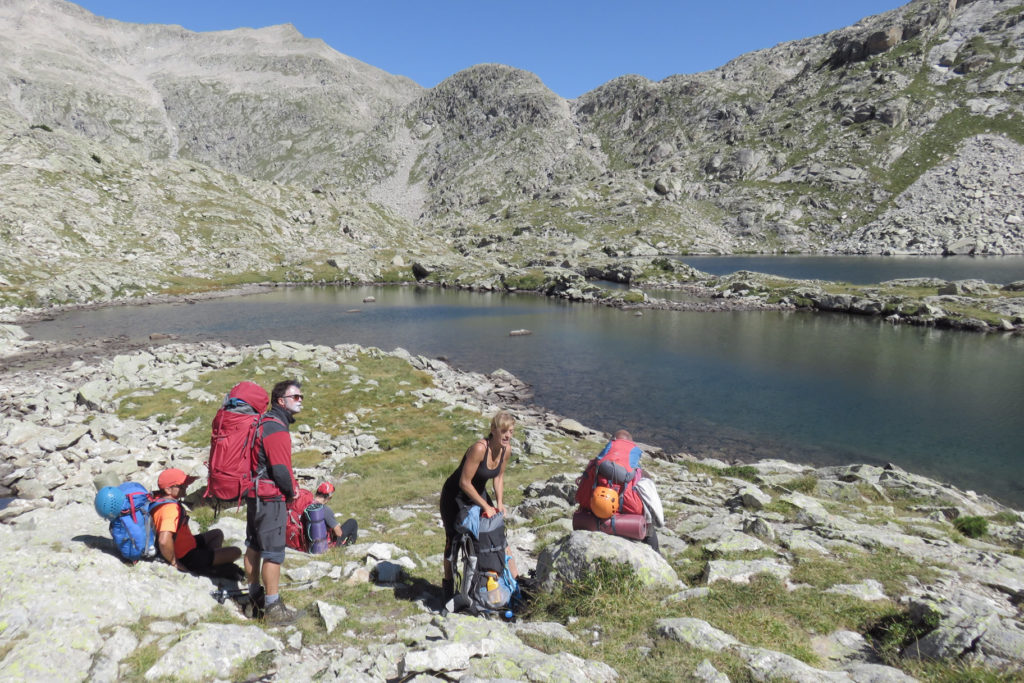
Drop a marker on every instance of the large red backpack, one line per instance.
(295, 536)
(233, 441)
(612, 469)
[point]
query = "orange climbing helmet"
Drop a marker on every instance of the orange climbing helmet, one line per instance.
(604, 502)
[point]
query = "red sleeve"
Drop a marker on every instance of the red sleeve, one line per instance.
(278, 449)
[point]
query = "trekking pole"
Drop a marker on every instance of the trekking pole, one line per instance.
(222, 594)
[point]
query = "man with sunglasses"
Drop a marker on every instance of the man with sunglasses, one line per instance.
(267, 505)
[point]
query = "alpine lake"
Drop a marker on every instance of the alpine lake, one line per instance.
(810, 388)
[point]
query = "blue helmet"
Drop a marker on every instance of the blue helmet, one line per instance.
(109, 502)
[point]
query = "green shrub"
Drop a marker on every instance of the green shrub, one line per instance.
(971, 526)
(740, 472)
(803, 484)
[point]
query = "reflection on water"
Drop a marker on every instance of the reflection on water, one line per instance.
(865, 270)
(806, 387)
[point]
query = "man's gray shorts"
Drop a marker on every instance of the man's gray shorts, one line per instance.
(265, 522)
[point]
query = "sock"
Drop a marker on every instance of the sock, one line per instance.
(271, 599)
(253, 588)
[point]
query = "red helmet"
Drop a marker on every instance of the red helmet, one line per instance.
(325, 489)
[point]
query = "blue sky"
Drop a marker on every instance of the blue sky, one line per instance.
(572, 45)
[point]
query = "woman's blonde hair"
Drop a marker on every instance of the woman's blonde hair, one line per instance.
(501, 421)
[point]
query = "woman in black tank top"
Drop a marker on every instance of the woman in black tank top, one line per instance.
(484, 461)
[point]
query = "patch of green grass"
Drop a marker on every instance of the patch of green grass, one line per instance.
(764, 613)
(611, 602)
(601, 590)
(306, 458)
(396, 274)
(781, 507)
(971, 526)
(961, 310)
(255, 668)
(203, 516)
(807, 484)
(374, 613)
(531, 280)
(140, 661)
(891, 569)
(956, 672)
(903, 499)
(941, 141)
(1005, 517)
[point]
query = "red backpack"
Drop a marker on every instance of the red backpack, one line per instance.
(612, 469)
(233, 440)
(295, 536)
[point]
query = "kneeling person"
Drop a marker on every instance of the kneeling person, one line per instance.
(175, 541)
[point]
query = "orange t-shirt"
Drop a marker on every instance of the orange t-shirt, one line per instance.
(166, 518)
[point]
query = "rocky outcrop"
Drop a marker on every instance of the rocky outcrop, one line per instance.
(959, 304)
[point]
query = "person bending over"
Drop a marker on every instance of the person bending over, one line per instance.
(484, 461)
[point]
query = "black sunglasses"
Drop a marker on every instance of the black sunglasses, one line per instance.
(297, 397)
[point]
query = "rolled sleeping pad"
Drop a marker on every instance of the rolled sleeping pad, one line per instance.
(317, 529)
(627, 526)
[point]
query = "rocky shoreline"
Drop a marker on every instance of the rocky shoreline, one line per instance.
(962, 305)
(62, 436)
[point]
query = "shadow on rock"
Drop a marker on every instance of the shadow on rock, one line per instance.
(103, 543)
(421, 591)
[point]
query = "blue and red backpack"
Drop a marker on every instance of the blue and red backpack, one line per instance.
(616, 467)
(129, 507)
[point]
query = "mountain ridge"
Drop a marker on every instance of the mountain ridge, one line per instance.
(811, 146)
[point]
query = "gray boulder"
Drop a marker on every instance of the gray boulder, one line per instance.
(212, 650)
(573, 557)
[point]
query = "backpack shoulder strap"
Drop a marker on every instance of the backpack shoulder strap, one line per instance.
(182, 513)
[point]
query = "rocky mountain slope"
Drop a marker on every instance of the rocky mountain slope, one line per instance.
(188, 158)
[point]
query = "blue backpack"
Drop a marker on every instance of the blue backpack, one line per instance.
(132, 528)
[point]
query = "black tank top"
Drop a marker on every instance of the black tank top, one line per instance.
(483, 473)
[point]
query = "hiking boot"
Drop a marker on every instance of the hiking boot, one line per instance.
(279, 614)
(254, 606)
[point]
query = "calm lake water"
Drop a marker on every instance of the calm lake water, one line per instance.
(807, 388)
(866, 270)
